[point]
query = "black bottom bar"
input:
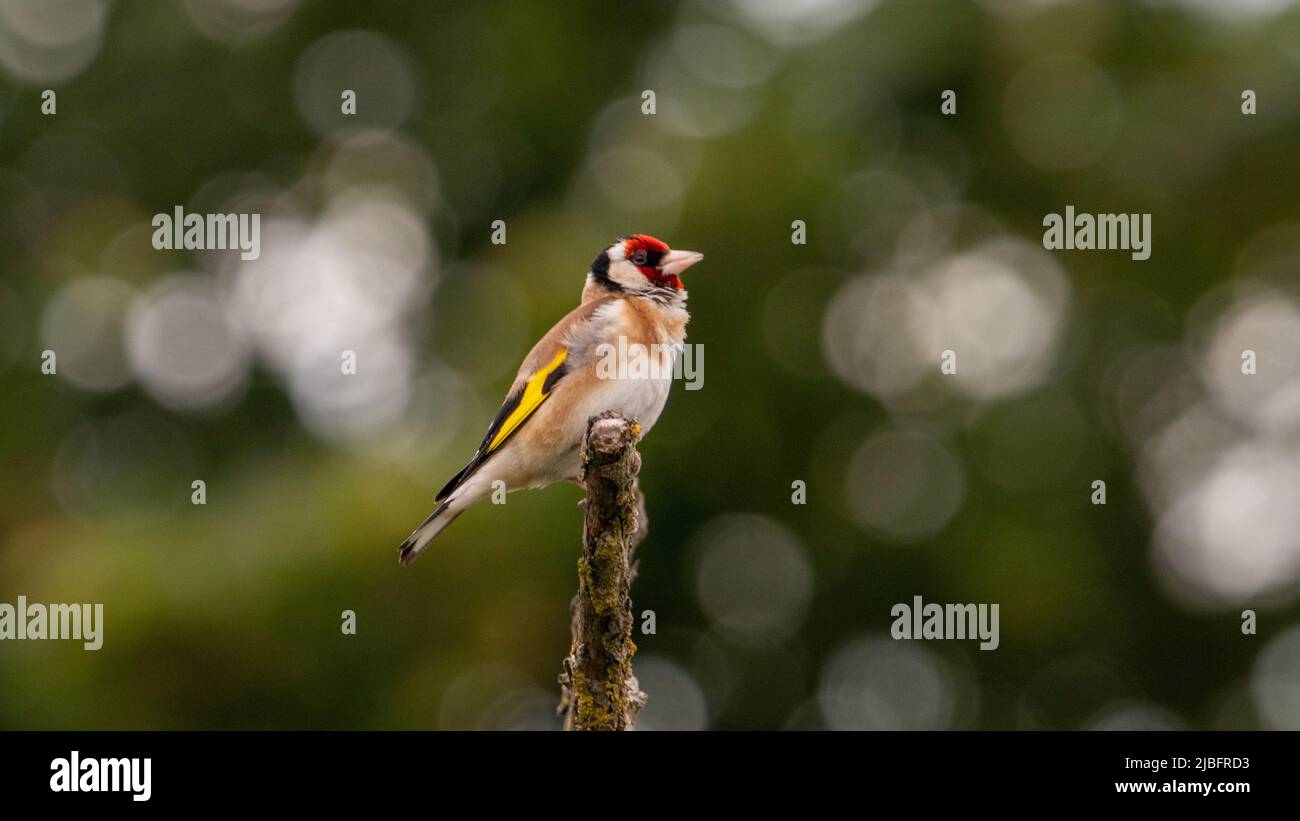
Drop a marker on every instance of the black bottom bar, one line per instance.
(187, 770)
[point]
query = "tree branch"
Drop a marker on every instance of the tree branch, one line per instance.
(598, 689)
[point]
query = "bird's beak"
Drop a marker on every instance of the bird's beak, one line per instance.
(674, 262)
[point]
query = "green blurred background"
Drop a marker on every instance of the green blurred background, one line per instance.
(821, 360)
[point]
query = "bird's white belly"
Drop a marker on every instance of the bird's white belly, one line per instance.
(633, 379)
(639, 398)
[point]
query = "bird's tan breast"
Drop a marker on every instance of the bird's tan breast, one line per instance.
(650, 322)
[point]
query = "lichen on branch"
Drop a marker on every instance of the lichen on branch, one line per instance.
(599, 689)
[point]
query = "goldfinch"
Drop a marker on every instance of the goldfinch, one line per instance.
(633, 308)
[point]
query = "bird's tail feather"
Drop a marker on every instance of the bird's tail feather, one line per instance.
(416, 543)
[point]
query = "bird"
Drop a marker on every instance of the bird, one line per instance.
(615, 351)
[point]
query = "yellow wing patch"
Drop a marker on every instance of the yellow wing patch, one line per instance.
(531, 400)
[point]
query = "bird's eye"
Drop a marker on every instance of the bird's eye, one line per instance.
(639, 257)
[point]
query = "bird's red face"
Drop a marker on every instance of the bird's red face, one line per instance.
(658, 263)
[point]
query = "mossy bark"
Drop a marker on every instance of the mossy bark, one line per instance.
(599, 690)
